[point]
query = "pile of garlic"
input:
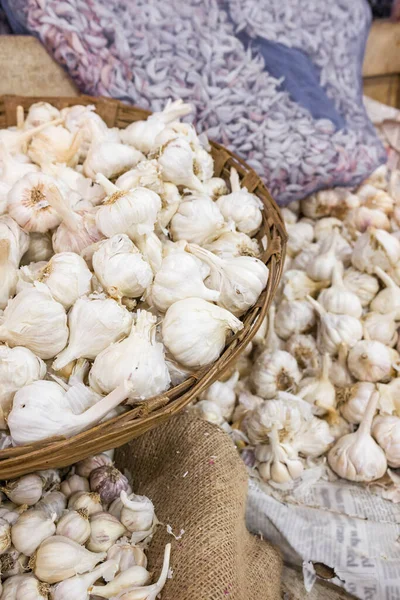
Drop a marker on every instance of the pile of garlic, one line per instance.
(77, 534)
(124, 265)
(321, 376)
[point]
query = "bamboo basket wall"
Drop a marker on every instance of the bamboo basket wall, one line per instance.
(59, 452)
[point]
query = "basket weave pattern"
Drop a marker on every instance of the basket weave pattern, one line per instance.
(58, 452)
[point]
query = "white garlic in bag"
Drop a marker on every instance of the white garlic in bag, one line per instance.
(195, 331)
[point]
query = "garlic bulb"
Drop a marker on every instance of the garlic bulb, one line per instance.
(90, 502)
(223, 394)
(139, 356)
(294, 318)
(39, 113)
(386, 431)
(75, 526)
(137, 513)
(278, 462)
(42, 410)
(370, 361)
(126, 556)
(179, 277)
(304, 349)
(29, 205)
(356, 456)
(59, 558)
(120, 268)
(300, 235)
(52, 503)
(382, 328)
(241, 207)
(105, 530)
(313, 438)
(142, 134)
(198, 220)
(35, 320)
(87, 465)
(31, 588)
(108, 482)
(273, 372)
(146, 174)
(17, 238)
(130, 580)
(319, 391)
(389, 298)
(151, 248)
(40, 248)
(67, 277)
(234, 243)
(375, 198)
(12, 169)
(320, 267)
(25, 490)
(304, 257)
(5, 537)
(133, 212)
(215, 187)
(16, 140)
(110, 159)
(209, 411)
(78, 587)
(177, 164)
(18, 367)
(105, 322)
(195, 331)
(334, 330)
(335, 202)
(13, 563)
(239, 280)
(365, 286)
(376, 248)
(31, 529)
(338, 299)
(296, 285)
(55, 144)
(323, 228)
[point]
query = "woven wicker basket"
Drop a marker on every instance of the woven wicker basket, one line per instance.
(58, 452)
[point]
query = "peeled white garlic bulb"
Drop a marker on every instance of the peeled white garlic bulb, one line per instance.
(133, 212)
(234, 243)
(382, 328)
(372, 361)
(334, 330)
(35, 320)
(223, 394)
(40, 248)
(320, 267)
(387, 299)
(139, 356)
(198, 220)
(294, 317)
(386, 431)
(30, 530)
(376, 248)
(338, 298)
(18, 240)
(75, 526)
(94, 323)
(241, 207)
(177, 164)
(239, 280)
(67, 277)
(42, 409)
(142, 134)
(365, 286)
(120, 268)
(29, 205)
(59, 558)
(319, 391)
(179, 277)
(195, 331)
(18, 367)
(356, 456)
(296, 285)
(273, 372)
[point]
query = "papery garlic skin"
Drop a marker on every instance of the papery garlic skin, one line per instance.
(17, 237)
(44, 330)
(31, 529)
(275, 372)
(67, 277)
(126, 556)
(28, 205)
(139, 356)
(234, 243)
(386, 431)
(40, 248)
(370, 361)
(241, 207)
(120, 268)
(195, 331)
(198, 220)
(356, 456)
(105, 322)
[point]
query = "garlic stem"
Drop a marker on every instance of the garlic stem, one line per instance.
(107, 185)
(235, 181)
(20, 116)
(70, 218)
(99, 410)
(387, 280)
(15, 139)
(366, 423)
(316, 305)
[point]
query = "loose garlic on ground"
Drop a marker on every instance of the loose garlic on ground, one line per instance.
(387, 299)
(338, 298)
(365, 286)
(319, 391)
(294, 318)
(25, 490)
(334, 330)
(275, 372)
(371, 361)
(356, 456)
(386, 431)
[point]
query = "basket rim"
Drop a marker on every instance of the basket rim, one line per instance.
(57, 452)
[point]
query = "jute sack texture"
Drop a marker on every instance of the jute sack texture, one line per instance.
(197, 481)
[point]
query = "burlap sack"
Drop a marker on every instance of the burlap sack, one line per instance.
(197, 481)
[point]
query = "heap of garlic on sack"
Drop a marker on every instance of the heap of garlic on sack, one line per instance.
(125, 265)
(77, 534)
(320, 378)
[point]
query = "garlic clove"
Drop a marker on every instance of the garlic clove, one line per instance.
(87, 501)
(105, 530)
(31, 529)
(25, 490)
(78, 587)
(75, 525)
